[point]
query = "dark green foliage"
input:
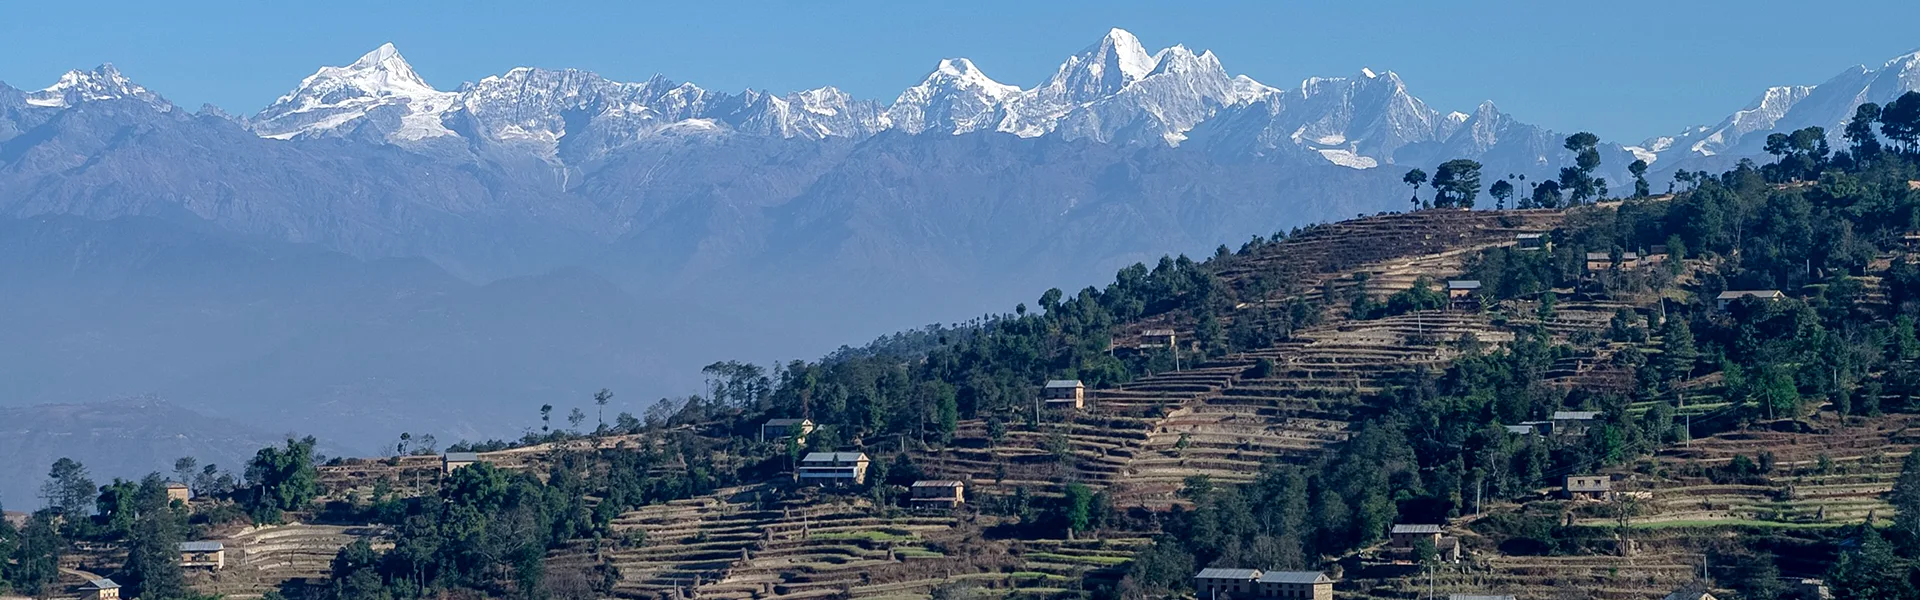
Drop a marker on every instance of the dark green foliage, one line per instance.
(68, 490)
(280, 479)
(1905, 497)
(1872, 571)
(1860, 132)
(1415, 178)
(1578, 180)
(1900, 121)
(156, 528)
(1456, 183)
(1500, 190)
(35, 556)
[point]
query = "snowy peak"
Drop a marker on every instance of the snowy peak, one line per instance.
(961, 74)
(955, 98)
(383, 72)
(1120, 52)
(379, 83)
(102, 83)
(1247, 91)
(1103, 68)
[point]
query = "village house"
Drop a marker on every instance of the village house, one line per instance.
(1911, 240)
(1599, 261)
(833, 469)
(1691, 592)
(1519, 429)
(1730, 296)
(455, 460)
(777, 430)
(1463, 293)
(1218, 583)
(203, 555)
(1065, 393)
(1589, 487)
(1629, 261)
(1295, 585)
(1573, 423)
(1531, 241)
(1158, 338)
(16, 518)
(1656, 255)
(1403, 539)
(178, 491)
(1213, 583)
(939, 493)
(1811, 589)
(100, 589)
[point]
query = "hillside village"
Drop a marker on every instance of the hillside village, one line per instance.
(1608, 398)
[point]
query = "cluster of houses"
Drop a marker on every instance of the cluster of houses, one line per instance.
(848, 469)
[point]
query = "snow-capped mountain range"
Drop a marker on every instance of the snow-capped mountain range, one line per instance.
(1113, 91)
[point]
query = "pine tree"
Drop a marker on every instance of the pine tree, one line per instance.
(1905, 497)
(152, 570)
(1415, 177)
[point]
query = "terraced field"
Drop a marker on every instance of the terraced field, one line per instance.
(265, 559)
(1826, 472)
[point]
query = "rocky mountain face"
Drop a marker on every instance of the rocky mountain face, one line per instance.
(371, 250)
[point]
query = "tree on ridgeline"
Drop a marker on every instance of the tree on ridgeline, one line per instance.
(1415, 178)
(1546, 195)
(68, 491)
(1500, 190)
(1578, 180)
(1900, 121)
(1456, 183)
(1639, 170)
(1859, 132)
(280, 479)
(600, 399)
(1776, 145)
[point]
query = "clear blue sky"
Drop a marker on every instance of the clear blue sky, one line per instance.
(1625, 69)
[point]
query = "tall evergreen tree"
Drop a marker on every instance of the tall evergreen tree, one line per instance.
(1415, 178)
(1860, 132)
(1500, 190)
(1906, 496)
(68, 490)
(1900, 120)
(1456, 183)
(152, 570)
(1639, 170)
(36, 558)
(1578, 180)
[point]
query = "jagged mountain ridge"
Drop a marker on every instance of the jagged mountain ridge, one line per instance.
(1112, 91)
(1781, 109)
